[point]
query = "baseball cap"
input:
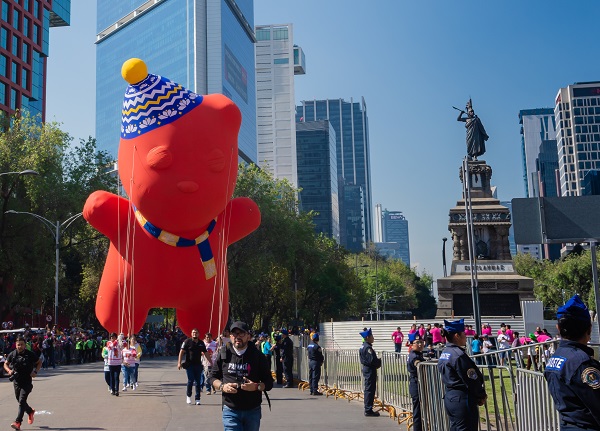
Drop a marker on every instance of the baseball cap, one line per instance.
(241, 326)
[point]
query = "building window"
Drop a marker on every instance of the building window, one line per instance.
(36, 9)
(4, 38)
(13, 99)
(13, 74)
(24, 78)
(16, 19)
(263, 34)
(281, 61)
(2, 93)
(26, 5)
(15, 46)
(25, 52)
(280, 34)
(36, 33)
(4, 11)
(3, 65)
(26, 27)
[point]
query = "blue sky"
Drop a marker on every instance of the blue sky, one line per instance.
(411, 61)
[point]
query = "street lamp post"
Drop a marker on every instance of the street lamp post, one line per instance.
(55, 230)
(25, 172)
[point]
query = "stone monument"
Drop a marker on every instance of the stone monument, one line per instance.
(501, 289)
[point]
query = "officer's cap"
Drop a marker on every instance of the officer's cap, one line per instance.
(315, 336)
(455, 326)
(366, 333)
(574, 309)
(284, 331)
(417, 338)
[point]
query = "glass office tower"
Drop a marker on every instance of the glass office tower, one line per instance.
(277, 61)
(317, 175)
(577, 111)
(395, 230)
(205, 45)
(350, 122)
(24, 39)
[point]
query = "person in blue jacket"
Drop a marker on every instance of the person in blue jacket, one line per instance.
(572, 373)
(465, 389)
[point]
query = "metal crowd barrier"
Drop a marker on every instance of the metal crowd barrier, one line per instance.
(518, 398)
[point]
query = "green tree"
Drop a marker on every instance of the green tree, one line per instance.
(67, 174)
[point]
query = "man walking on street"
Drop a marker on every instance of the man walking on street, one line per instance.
(241, 372)
(193, 348)
(315, 360)
(370, 363)
(287, 358)
(22, 366)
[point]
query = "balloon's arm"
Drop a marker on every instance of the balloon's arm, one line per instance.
(108, 213)
(242, 217)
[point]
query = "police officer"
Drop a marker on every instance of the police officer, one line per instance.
(287, 358)
(414, 357)
(370, 363)
(278, 363)
(315, 360)
(573, 375)
(462, 379)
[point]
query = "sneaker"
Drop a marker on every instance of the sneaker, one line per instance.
(189, 400)
(133, 387)
(116, 394)
(197, 402)
(136, 384)
(109, 390)
(208, 392)
(16, 425)
(30, 417)
(112, 392)
(372, 413)
(124, 389)
(317, 394)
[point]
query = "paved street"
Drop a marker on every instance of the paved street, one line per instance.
(76, 398)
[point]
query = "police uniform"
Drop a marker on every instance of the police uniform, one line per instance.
(573, 377)
(414, 358)
(370, 363)
(287, 356)
(315, 360)
(463, 382)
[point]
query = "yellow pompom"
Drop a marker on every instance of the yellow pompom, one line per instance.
(134, 70)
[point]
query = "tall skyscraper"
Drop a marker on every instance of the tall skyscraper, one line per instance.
(205, 45)
(317, 175)
(537, 126)
(577, 111)
(277, 61)
(395, 231)
(350, 122)
(24, 39)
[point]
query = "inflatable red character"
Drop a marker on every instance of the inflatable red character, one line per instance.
(178, 159)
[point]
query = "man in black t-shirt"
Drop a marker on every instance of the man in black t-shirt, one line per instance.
(22, 365)
(192, 349)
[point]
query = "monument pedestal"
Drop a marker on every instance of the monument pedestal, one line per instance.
(500, 287)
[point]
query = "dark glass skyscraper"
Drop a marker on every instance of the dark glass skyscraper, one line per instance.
(350, 122)
(395, 230)
(317, 175)
(24, 38)
(205, 45)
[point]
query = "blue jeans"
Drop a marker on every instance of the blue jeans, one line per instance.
(194, 374)
(241, 420)
(128, 374)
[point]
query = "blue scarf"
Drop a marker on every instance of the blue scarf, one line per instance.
(173, 240)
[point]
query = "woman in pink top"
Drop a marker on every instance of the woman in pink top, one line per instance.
(128, 367)
(422, 331)
(486, 330)
(436, 334)
(114, 360)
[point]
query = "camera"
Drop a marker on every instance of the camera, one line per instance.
(13, 376)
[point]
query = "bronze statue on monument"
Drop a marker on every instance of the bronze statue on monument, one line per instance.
(476, 135)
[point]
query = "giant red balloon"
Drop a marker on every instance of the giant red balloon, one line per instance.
(179, 174)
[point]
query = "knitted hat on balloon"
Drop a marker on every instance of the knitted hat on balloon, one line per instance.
(151, 101)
